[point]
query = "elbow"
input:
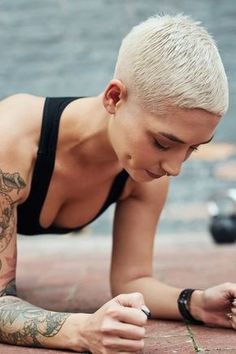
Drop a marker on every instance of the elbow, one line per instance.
(129, 280)
(118, 286)
(122, 286)
(115, 290)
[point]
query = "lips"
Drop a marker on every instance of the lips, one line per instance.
(153, 175)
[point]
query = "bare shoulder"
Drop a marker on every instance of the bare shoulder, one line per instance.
(20, 104)
(19, 98)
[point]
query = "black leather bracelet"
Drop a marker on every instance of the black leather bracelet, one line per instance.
(183, 305)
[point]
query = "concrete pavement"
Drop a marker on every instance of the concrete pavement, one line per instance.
(70, 273)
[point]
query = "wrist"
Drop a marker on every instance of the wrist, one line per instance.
(196, 305)
(183, 301)
(75, 332)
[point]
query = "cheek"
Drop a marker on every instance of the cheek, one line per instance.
(143, 155)
(133, 147)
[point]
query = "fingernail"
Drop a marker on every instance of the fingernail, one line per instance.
(234, 302)
(146, 311)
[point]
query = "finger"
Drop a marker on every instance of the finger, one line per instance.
(146, 311)
(127, 331)
(230, 290)
(232, 321)
(233, 310)
(120, 344)
(135, 300)
(127, 315)
(231, 318)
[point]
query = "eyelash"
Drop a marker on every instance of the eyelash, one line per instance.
(160, 147)
(163, 148)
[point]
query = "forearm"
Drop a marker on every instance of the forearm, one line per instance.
(160, 298)
(24, 324)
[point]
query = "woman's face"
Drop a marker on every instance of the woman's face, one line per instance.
(149, 146)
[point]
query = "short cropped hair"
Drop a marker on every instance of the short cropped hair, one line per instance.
(173, 60)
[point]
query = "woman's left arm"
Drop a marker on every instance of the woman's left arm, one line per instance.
(135, 224)
(134, 229)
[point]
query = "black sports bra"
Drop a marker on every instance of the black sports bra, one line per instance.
(29, 212)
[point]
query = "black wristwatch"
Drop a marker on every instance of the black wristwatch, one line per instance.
(183, 305)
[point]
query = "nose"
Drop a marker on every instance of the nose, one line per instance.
(172, 168)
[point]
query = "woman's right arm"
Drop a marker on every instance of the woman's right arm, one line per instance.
(20, 322)
(24, 324)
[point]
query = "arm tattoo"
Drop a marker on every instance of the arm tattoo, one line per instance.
(24, 324)
(20, 322)
(7, 221)
(8, 182)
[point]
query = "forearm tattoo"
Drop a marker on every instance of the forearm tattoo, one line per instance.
(24, 324)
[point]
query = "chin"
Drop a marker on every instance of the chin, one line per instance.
(139, 176)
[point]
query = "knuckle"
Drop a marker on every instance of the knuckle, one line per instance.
(141, 344)
(106, 342)
(143, 320)
(113, 313)
(227, 284)
(138, 296)
(106, 327)
(233, 325)
(142, 332)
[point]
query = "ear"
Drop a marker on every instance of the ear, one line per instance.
(114, 94)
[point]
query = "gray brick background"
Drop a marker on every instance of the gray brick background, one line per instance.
(69, 47)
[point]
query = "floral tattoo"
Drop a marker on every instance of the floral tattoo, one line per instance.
(26, 324)
(20, 322)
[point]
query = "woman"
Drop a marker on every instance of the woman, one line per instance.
(65, 160)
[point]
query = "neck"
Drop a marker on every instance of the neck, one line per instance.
(92, 142)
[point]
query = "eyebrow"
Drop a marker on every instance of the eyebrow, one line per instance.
(177, 140)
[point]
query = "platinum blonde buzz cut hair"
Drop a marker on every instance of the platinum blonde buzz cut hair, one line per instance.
(173, 60)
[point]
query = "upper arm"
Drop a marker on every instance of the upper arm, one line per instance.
(135, 223)
(11, 192)
(15, 174)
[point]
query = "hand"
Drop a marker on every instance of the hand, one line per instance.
(117, 327)
(216, 306)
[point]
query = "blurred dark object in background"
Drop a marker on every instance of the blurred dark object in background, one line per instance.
(222, 210)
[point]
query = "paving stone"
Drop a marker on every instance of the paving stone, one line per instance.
(167, 337)
(76, 279)
(220, 351)
(213, 339)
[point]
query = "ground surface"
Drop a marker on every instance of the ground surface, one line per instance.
(70, 273)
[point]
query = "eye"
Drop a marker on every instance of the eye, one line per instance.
(160, 146)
